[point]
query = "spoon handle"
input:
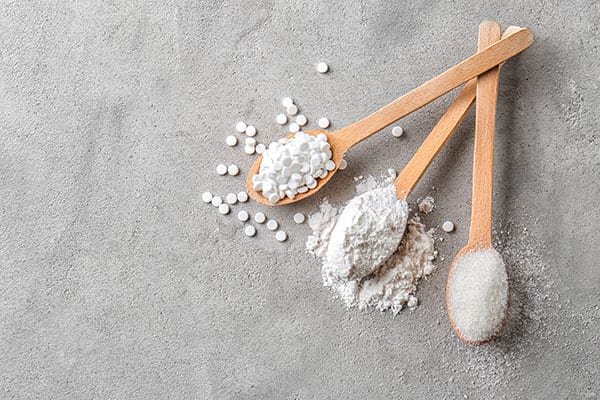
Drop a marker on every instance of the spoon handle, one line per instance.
(470, 68)
(441, 133)
(480, 233)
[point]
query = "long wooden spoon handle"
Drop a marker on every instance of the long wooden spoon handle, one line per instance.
(436, 87)
(480, 233)
(441, 133)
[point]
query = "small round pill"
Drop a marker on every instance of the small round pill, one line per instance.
(448, 226)
(287, 101)
(242, 197)
(250, 141)
(249, 149)
(301, 119)
(216, 201)
(224, 209)
(231, 140)
(294, 127)
(260, 148)
(330, 165)
(274, 198)
(281, 119)
(231, 198)
(397, 131)
(243, 215)
(322, 67)
(272, 225)
(292, 110)
(343, 164)
(249, 230)
(207, 197)
(260, 217)
(250, 130)
(281, 236)
(323, 123)
(233, 170)
(221, 169)
(299, 218)
(240, 127)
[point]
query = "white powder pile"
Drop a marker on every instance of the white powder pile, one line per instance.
(372, 257)
(478, 294)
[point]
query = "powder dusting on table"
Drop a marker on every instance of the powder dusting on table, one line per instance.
(391, 285)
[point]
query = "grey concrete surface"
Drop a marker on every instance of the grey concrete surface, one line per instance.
(117, 282)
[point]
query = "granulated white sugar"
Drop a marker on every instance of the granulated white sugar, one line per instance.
(478, 294)
(385, 285)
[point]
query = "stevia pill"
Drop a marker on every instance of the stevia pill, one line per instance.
(249, 149)
(224, 209)
(329, 165)
(242, 197)
(294, 127)
(233, 170)
(343, 164)
(260, 148)
(274, 198)
(259, 217)
(281, 119)
(323, 123)
(281, 236)
(221, 169)
(292, 109)
(249, 230)
(240, 127)
(231, 140)
(231, 198)
(243, 215)
(397, 131)
(322, 67)
(448, 226)
(287, 101)
(207, 197)
(216, 201)
(250, 130)
(299, 218)
(272, 225)
(301, 120)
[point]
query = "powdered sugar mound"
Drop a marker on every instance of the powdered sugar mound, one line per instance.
(387, 285)
(367, 232)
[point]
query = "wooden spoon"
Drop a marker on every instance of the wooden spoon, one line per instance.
(480, 231)
(345, 138)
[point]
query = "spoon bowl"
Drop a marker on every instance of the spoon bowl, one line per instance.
(337, 155)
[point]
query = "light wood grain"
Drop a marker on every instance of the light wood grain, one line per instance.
(480, 232)
(343, 139)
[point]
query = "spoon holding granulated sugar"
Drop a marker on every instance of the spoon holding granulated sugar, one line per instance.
(279, 178)
(477, 287)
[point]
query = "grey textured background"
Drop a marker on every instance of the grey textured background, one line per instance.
(116, 281)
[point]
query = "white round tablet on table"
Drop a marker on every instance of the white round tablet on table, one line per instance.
(281, 119)
(216, 201)
(322, 67)
(323, 123)
(301, 120)
(281, 236)
(242, 197)
(249, 230)
(260, 148)
(243, 215)
(221, 169)
(233, 169)
(231, 140)
(224, 209)
(231, 198)
(292, 110)
(299, 218)
(287, 101)
(207, 197)
(240, 127)
(397, 131)
(260, 217)
(272, 225)
(448, 226)
(250, 130)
